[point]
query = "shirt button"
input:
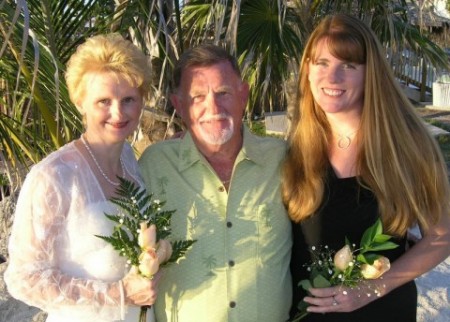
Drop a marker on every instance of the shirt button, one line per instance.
(229, 224)
(221, 189)
(232, 304)
(231, 263)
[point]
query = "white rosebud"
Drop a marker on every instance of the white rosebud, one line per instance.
(378, 268)
(343, 258)
(164, 251)
(148, 263)
(147, 236)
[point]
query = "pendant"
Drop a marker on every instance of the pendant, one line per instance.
(344, 142)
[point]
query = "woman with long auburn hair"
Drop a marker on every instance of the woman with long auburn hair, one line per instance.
(359, 152)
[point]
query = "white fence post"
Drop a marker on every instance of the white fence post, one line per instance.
(441, 95)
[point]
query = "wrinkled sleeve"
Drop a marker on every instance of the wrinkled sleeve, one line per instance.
(33, 274)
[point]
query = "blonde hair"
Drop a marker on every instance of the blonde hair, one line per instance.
(108, 53)
(398, 160)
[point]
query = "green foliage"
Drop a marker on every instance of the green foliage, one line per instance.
(258, 128)
(373, 240)
(136, 207)
(37, 37)
(3, 180)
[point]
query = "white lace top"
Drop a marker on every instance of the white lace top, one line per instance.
(56, 262)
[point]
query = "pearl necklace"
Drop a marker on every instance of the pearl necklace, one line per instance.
(86, 145)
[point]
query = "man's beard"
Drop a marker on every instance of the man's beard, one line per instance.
(217, 138)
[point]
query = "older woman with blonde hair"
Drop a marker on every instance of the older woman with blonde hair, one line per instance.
(56, 261)
(359, 152)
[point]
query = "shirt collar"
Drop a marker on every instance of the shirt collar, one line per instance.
(189, 154)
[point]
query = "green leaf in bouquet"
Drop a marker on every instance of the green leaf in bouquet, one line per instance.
(368, 258)
(315, 272)
(149, 207)
(319, 281)
(163, 220)
(305, 284)
(124, 237)
(109, 239)
(370, 233)
(384, 246)
(347, 242)
(114, 218)
(302, 305)
(141, 199)
(381, 238)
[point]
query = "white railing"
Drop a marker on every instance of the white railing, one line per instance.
(409, 67)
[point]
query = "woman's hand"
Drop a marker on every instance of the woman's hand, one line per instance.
(140, 290)
(344, 299)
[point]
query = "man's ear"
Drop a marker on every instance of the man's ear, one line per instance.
(243, 93)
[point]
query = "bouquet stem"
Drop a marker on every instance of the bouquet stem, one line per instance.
(143, 313)
(301, 312)
(299, 316)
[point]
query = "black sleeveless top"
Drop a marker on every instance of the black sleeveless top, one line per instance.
(348, 210)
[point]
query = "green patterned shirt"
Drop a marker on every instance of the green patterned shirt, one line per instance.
(238, 270)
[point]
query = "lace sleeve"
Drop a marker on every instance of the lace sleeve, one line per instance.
(34, 274)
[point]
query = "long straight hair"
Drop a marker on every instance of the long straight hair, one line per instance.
(397, 159)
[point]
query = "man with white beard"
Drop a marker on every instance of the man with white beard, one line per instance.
(224, 184)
